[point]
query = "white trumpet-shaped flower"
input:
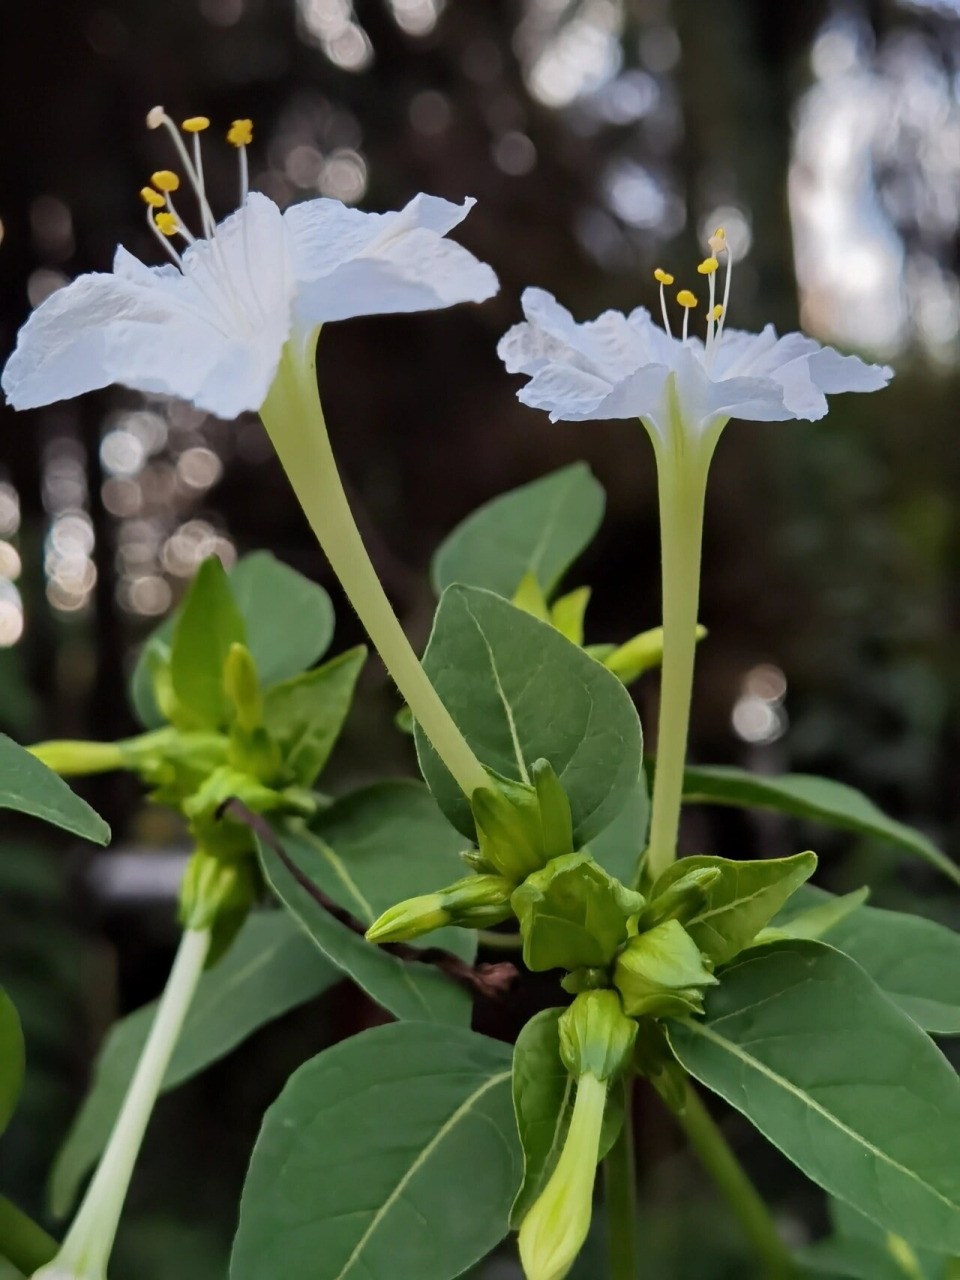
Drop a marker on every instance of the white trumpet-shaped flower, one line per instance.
(210, 326)
(628, 367)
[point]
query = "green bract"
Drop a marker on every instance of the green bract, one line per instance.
(572, 914)
(661, 973)
(596, 1037)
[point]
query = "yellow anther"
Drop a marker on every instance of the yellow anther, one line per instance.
(165, 180)
(717, 312)
(167, 224)
(155, 117)
(196, 124)
(718, 240)
(684, 297)
(240, 133)
(153, 198)
(706, 268)
(662, 277)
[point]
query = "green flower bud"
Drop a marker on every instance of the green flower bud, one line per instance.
(556, 820)
(661, 973)
(410, 919)
(596, 1036)
(472, 903)
(530, 598)
(242, 686)
(508, 827)
(566, 614)
(553, 1232)
(585, 980)
(572, 914)
(643, 653)
(681, 900)
(74, 759)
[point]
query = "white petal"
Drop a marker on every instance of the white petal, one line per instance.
(567, 393)
(834, 373)
(704, 400)
(103, 329)
(350, 263)
(213, 337)
(609, 346)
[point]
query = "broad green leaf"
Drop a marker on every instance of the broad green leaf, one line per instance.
(28, 786)
(860, 1250)
(408, 989)
(270, 968)
(620, 845)
(289, 619)
(801, 1040)
(289, 622)
(306, 713)
(539, 528)
(745, 898)
(11, 1059)
(209, 623)
(543, 1095)
(801, 795)
(520, 692)
(393, 1154)
(916, 962)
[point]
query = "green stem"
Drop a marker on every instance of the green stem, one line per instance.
(737, 1189)
(294, 420)
(22, 1242)
(499, 941)
(682, 480)
(620, 1181)
(86, 1249)
(74, 759)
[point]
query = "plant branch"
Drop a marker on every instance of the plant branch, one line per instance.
(735, 1186)
(620, 1181)
(491, 980)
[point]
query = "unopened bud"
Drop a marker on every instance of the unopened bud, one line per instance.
(507, 815)
(556, 820)
(553, 1232)
(596, 1036)
(661, 973)
(474, 902)
(242, 686)
(643, 653)
(572, 914)
(681, 900)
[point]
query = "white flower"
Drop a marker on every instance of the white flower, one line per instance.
(628, 367)
(210, 328)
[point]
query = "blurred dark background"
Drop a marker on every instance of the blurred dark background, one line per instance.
(602, 138)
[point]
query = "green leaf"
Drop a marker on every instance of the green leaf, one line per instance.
(745, 898)
(619, 846)
(289, 622)
(305, 714)
(860, 1250)
(804, 1043)
(801, 795)
(209, 623)
(30, 787)
(519, 691)
(543, 1094)
(11, 1059)
(289, 619)
(916, 962)
(393, 1154)
(815, 920)
(377, 860)
(270, 968)
(539, 528)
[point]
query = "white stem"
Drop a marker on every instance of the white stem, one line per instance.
(85, 1252)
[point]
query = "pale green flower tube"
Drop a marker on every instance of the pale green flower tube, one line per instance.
(85, 1252)
(553, 1232)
